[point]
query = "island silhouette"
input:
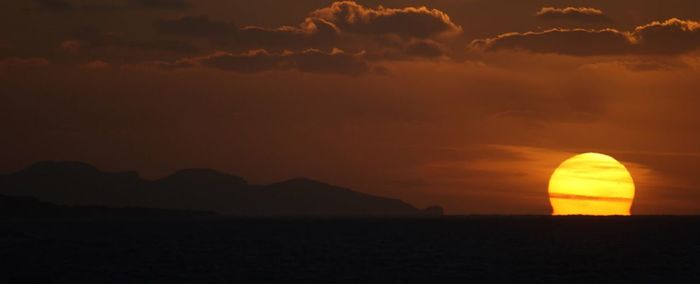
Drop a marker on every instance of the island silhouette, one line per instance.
(63, 183)
(30, 208)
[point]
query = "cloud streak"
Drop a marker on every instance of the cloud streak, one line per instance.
(308, 61)
(587, 197)
(564, 41)
(407, 32)
(578, 14)
(346, 17)
(419, 22)
(670, 37)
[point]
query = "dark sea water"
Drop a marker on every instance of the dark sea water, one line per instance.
(439, 250)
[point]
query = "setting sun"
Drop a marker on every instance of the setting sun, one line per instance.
(591, 184)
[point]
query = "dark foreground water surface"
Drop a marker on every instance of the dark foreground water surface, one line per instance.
(451, 249)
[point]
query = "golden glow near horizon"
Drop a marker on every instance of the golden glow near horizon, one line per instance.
(591, 184)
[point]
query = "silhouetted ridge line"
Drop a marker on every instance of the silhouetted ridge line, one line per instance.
(76, 183)
(27, 207)
(204, 177)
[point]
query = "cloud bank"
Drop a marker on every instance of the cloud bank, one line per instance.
(419, 22)
(670, 37)
(309, 61)
(402, 32)
(578, 14)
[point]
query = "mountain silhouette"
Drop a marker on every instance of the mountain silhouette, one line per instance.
(24, 207)
(76, 183)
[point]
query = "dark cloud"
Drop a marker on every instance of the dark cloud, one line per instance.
(311, 33)
(390, 50)
(309, 61)
(670, 37)
(345, 17)
(404, 32)
(165, 4)
(424, 48)
(419, 22)
(565, 41)
(579, 14)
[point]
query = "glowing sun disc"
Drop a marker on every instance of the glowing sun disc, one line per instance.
(591, 184)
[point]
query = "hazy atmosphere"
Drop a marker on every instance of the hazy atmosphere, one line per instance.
(469, 104)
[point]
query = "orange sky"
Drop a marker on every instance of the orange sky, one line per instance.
(466, 104)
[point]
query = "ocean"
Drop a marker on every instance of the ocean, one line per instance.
(454, 249)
